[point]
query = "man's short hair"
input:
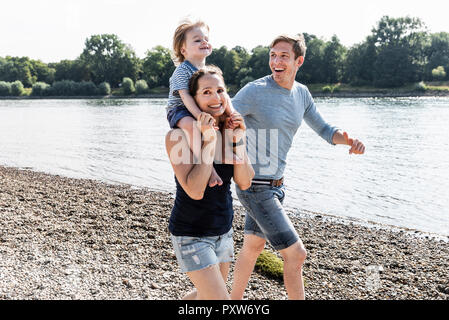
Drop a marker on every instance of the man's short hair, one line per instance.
(297, 41)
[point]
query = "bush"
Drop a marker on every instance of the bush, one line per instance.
(270, 265)
(17, 88)
(141, 87)
(5, 88)
(438, 73)
(421, 86)
(128, 86)
(63, 88)
(40, 89)
(86, 88)
(331, 88)
(104, 89)
(327, 89)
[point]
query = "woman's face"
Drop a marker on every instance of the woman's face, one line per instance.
(211, 95)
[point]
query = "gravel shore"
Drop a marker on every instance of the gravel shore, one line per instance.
(63, 238)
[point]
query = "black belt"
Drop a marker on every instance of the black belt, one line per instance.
(268, 182)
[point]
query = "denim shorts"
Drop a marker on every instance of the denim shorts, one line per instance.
(176, 114)
(266, 217)
(196, 253)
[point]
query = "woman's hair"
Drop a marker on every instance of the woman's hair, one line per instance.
(180, 37)
(209, 69)
(297, 41)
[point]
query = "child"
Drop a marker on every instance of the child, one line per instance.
(191, 47)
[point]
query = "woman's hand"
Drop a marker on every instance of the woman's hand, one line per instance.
(240, 127)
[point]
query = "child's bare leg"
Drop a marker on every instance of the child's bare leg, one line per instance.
(187, 124)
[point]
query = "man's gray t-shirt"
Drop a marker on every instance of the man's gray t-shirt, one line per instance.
(273, 115)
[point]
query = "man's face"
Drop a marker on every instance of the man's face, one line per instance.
(283, 64)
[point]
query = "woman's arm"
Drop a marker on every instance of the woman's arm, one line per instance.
(243, 170)
(193, 177)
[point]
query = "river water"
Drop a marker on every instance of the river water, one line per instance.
(402, 180)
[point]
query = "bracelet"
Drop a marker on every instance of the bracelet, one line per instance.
(236, 144)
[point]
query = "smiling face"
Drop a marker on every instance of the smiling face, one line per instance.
(283, 64)
(196, 46)
(211, 94)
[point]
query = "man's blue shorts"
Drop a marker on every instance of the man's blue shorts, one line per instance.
(266, 217)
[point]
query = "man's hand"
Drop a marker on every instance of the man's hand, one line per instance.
(357, 147)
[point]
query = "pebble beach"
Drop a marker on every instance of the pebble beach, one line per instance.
(63, 238)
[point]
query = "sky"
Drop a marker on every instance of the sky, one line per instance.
(53, 30)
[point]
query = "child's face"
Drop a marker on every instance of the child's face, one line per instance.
(196, 45)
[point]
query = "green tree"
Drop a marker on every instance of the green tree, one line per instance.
(259, 62)
(217, 57)
(109, 59)
(42, 71)
(243, 69)
(333, 60)
(401, 44)
(74, 70)
(15, 68)
(312, 71)
(360, 64)
(158, 67)
(437, 53)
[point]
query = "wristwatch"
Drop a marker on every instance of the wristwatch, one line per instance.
(236, 144)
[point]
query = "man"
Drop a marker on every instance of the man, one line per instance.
(273, 108)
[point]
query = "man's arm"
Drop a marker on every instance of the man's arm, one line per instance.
(329, 133)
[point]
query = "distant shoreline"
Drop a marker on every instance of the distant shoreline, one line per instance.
(361, 94)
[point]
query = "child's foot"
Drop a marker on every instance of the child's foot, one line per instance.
(215, 180)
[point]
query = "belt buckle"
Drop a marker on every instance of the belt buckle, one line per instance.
(277, 183)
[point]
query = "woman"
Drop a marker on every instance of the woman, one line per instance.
(201, 219)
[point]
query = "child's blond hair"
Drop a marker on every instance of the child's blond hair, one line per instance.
(180, 37)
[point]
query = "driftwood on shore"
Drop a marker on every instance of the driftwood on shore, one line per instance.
(63, 238)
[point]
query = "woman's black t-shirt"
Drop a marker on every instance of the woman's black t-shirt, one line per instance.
(210, 216)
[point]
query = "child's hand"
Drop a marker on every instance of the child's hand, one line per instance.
(233, 121)
(206, 125)
(206, 119)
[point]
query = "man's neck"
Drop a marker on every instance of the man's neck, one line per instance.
(285, 84)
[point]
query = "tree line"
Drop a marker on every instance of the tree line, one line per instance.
(398, 51)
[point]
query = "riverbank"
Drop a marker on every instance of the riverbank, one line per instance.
(316, 92)
(63, 238)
